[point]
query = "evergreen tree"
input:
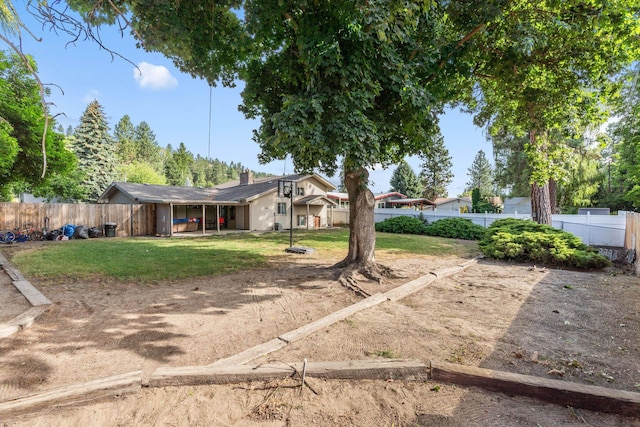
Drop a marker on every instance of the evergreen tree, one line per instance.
(218, 172)
(177, 166)
(623, 171)
(125, 136)
(148, 149)
(95, 150)
(481, 175)
(436, 172)
(404, 180)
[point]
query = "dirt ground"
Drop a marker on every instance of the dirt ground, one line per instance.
(568, 325)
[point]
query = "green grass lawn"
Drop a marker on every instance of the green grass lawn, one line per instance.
(157, 259)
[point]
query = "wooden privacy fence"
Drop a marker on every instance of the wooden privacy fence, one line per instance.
(632, 237)
(131, 220)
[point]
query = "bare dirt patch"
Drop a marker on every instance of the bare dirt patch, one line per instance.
(573, 326)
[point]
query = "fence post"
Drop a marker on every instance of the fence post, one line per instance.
(588, 228)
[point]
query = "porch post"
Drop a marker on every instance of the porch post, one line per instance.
(204, 218)
(170, 219)
(218, 217)
(307, 216)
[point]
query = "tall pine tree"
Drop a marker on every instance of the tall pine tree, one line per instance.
(481, 175)
(436, 172)
(404, 180)
(96, 151)
(124, 134)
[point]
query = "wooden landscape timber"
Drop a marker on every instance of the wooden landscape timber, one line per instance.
(91, 391)
(559, 392)
(388, 369)
(39, 302)
(22, 321)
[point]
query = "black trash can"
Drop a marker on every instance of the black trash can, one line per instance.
(110, 229)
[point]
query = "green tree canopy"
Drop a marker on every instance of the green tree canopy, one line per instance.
(623, 166)
(547, 69)
(21, 132)
(435, 172)
(404, 180)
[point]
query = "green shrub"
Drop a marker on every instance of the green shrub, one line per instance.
(528, 241)
(401, 225)
(456, 228)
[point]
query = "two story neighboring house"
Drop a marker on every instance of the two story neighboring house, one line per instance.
(248, 204)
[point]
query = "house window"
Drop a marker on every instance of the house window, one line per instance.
(232, 212)
(282, 208)
(302, 220)
(300, 191)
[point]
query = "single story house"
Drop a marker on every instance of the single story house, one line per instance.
(247, 204)
(452, 204)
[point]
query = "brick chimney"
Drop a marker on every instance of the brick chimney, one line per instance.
(246, 177)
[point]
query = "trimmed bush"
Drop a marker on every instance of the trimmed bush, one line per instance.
(456, 228)
(401, 225)
(528, 241)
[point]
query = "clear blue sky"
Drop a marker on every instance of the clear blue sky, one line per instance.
(176, 106)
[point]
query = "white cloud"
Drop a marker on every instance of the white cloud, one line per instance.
(155, 77)
(91, 95)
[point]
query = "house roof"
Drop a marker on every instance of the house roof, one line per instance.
(411, 202)
(228, 193)
(443, 200)
(377, 196)
(147, 193)
(337, 195)
(314, 199)
(380, 196)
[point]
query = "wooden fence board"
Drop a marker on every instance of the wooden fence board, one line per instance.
(632, 237)
(131, 220)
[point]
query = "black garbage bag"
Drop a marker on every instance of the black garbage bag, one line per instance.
(53, 234)
(81, 232)
(95, 232)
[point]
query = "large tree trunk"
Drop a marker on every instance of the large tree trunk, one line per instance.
(540, 203)
(553, 195)
(362, 234)
(540, 198)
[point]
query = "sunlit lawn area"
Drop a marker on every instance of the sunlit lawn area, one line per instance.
(156, 259)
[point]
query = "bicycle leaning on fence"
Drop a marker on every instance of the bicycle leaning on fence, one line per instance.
(7, 236)
(27, 233)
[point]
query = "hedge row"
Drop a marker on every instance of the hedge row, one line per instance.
(508, 239)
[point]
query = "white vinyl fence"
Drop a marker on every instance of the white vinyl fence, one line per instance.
(596, 230)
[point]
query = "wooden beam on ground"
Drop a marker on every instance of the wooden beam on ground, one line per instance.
(445, 272)
(30, 293)
(564, 393)
(396, 369)
(410, 287)
(251, 353)
(13, 272)
(332, 318)
(78, 393)
(469, 263)
(22, 321)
